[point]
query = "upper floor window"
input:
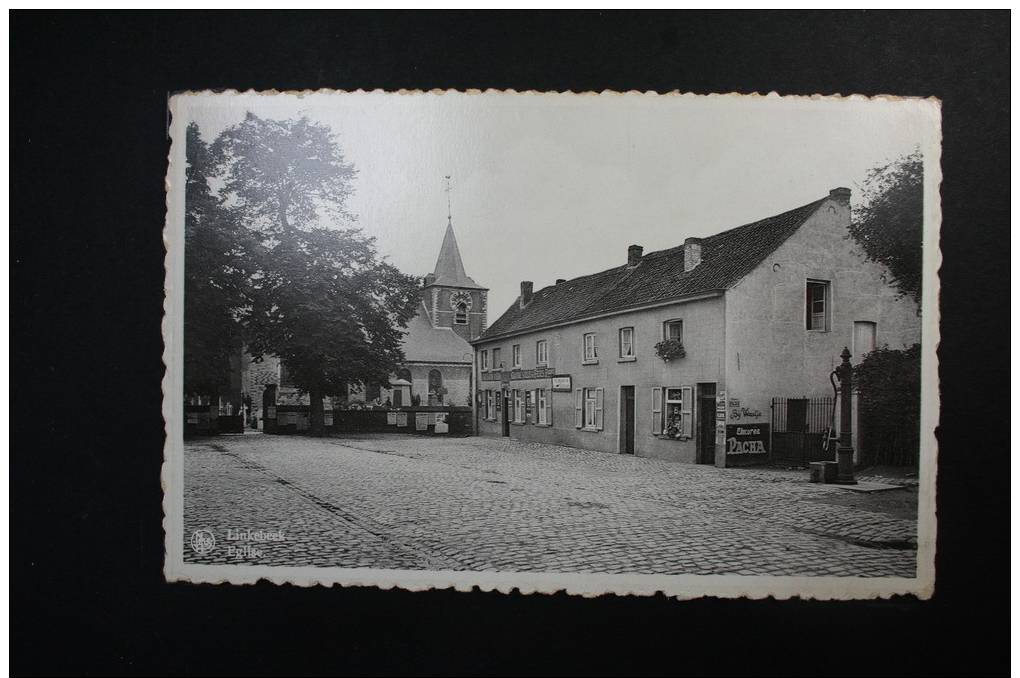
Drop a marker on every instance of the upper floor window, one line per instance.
(542, 352)
(817, 305)
(496, 364)
(516, 355)
(673, 329)
(591, 351)
(626, 342)
(484, 359)
(460, 315)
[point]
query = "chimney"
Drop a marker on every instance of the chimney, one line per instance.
(527, 287)
(560, 280)
(840, 195)
(634, 255)
(692, 253)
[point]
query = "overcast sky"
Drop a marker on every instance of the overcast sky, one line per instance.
(557, 186)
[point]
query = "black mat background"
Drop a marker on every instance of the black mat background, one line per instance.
(89, 146)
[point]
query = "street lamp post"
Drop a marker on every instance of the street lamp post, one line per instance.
(845, 451)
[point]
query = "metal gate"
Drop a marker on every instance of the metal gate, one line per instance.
(799, 430)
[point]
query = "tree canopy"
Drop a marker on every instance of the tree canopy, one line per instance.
(217, 265)
(889, 225)
(315, 291)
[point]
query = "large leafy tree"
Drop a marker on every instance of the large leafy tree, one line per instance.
(217, 266)
(322, 300)
(889, 225)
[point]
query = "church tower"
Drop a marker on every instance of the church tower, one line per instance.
(452, 298)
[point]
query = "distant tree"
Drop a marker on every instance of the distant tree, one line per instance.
(322, 300)
(217, 264)
(889, 224)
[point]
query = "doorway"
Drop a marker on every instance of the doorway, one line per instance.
(627, 419)
(706, 423)
(506, 413)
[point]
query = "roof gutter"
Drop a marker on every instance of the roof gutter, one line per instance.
(631, 309)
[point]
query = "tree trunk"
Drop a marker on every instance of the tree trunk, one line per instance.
(317, 418)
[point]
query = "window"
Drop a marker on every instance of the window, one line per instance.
(626, 342)
(515, 353)
(817, 305)
(544, 410)
(518, 406)
(460, 315)
(485, 360)
(490, 409)
(496, 364)
(864, 338)
(588, 408)
(591, 351)
(542, 352)
(674, 329)
(672, 413)
(436, 390)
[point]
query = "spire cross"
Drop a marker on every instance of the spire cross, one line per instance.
(449, 210)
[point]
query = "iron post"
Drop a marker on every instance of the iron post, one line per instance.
(845, 451)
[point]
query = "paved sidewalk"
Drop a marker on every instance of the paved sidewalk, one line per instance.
(408, 502)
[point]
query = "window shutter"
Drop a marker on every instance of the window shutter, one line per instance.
(685, 411)
(600, 395)
(534, 407)
(656, 410)
(578, 402)
(548, 407)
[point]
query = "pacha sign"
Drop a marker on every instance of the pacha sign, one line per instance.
(747, 439)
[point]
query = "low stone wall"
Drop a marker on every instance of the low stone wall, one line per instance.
(294, 419)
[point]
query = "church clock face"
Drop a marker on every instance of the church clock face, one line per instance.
(458, 298)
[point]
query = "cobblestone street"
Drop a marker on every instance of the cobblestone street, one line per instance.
(408, 502)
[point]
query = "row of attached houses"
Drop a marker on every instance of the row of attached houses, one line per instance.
(680, 354)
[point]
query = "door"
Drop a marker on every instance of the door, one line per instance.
(506, 414)
(627, 419)
(706, 423)
(398, 397)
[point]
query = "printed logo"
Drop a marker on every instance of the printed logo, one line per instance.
(202, 542)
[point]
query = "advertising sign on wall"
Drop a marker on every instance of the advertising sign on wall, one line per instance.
(421, 421)
(391, 418)
(401, 418)
(561, 382)
(747, 439)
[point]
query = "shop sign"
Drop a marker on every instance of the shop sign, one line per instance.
(492, 376)
(537, 373)
(720, 433)
(747, 439)
(561, 382)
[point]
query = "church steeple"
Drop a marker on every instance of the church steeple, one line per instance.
(449, 266)
(455, 299)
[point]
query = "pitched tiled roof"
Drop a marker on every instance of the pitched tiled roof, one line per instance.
(725, 258)
(425, 343)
